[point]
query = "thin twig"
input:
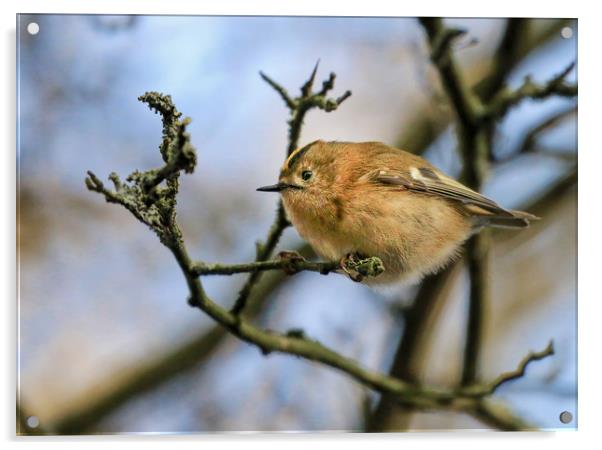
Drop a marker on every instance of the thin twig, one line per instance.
(297, 344)
(528, 143)
(507, 98)
(263, 252)
(519, 372)
(370, 267)
(306, 89)
(298, 108)
(290, 103)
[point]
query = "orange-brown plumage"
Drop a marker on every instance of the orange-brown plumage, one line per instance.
(374, 200)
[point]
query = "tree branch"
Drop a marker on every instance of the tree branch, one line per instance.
(174, 362)
(423, 127)
(292, 263)
(506, 56)
(528, 143)
(519, 372)
(420, 319)
(475, 149)
(298, 345)
(387, 416)
(506, 98)
(466, 105)
(151, 204)
(416, 136)
(298, 107)
(409, 356)
(474, 126)
(517, 42)
(267, 341)
(290, 266)
(477, 250)
(308, 100)
(290, 103)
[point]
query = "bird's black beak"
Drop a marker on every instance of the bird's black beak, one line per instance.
(278, 187)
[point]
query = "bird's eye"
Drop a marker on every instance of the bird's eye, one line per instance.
(306, 175)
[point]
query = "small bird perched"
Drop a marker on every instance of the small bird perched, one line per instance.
(356, 200)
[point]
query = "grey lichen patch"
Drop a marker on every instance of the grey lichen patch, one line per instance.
(176, 143)
(368, 267)
(144, 194)
(176, 149)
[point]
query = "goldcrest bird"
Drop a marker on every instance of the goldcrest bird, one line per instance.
(352, 200)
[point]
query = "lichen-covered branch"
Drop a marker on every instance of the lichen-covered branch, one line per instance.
(295, 343)
(419, 131)
(135, 199)
(155, 205)
(290, 266)
(421, 318)
(176, 149)
(292, 263)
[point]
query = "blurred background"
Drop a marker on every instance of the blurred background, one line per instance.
(107, 342)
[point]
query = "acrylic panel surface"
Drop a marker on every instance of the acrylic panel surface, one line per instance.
(107, 342)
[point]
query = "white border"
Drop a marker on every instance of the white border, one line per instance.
(590, 77)
(457, 8)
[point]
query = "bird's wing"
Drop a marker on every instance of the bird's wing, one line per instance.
(433, 182)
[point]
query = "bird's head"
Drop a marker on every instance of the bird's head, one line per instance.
(308, 175)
